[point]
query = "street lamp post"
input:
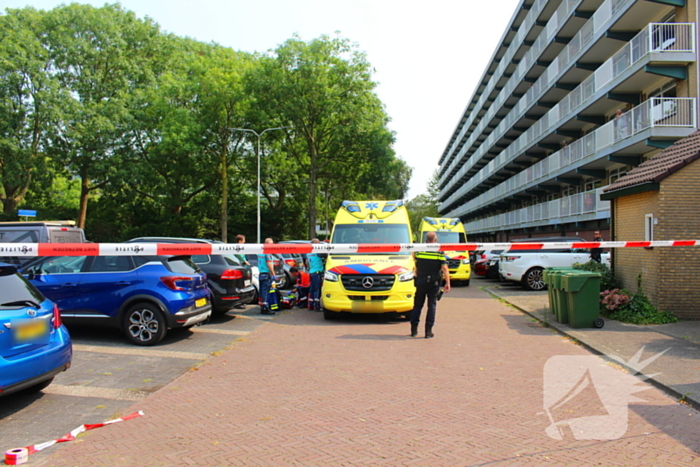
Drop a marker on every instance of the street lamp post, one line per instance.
(257, 154)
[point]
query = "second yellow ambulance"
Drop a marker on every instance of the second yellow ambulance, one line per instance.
(450, 230)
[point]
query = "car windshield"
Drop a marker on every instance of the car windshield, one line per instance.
(447, 237)
(182, 265)
(15, 288)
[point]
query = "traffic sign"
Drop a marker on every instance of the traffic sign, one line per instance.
(26, 213)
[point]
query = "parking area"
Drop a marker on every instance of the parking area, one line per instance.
(109, 374)
(301, 390)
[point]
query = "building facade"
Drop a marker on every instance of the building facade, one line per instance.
(577, 93)
(658, 201)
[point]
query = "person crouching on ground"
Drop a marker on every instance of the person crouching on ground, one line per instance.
(431, 270)
(303, 284)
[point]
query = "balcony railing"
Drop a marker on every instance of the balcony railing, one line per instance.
(565, 9)
(575, 205)
(602, 18)
(660, 38)
(675, 112)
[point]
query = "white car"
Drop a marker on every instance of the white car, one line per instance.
(526, 266)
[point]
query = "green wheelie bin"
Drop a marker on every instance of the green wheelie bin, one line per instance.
(582, 290)
(552, 277)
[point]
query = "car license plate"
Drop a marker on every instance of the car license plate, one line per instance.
(247, 283)
(200, 303)
(26, 331)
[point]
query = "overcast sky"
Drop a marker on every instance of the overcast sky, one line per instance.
(428, 57)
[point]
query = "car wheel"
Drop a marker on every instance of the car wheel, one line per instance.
(37, 387)
(533, 279)
(144, 324)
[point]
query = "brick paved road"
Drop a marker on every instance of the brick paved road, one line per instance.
(303, 391)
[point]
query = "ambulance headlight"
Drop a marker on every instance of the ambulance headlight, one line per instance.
(406, 276)
(331, 276)
(465, 261)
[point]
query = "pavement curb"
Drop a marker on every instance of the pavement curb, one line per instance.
(681, 398)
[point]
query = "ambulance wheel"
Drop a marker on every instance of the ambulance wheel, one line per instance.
(466, 283)
(329, 315)
(407, 316)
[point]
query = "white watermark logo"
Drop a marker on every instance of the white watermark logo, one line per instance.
(604, 393)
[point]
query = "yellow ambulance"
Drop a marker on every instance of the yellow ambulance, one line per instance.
(450, 230)
(369, 281)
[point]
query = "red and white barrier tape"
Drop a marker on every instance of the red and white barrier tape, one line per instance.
(146, 249)
(14, 454)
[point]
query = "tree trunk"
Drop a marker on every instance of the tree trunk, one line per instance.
(312, 191)
(84, 195)
(224, 198)
(13, 198)
(9, 205)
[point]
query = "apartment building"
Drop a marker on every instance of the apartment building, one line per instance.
(577, 93)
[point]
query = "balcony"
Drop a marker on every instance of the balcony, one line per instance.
(668, 42)
(578, 207)
(558, 19)
(605, 16)
(665, 117)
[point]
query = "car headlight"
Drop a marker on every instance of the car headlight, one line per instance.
(509, 259)
(465, 261)
(331, 276)
(406, 276)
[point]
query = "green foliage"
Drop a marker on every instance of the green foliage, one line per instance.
(100, 106)
(639, 310)
(607, 279)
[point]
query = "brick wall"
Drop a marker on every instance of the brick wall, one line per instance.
(679, 204)
(629, 226)
(669, 275)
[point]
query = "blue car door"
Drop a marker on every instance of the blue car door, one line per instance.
(58, 278)
(107, 282)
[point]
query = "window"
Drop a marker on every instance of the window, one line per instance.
(649, 227)
(111, 264)
(615, 174)
(60, 265)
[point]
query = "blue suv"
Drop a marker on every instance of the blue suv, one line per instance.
(34, 344)
(142, 295)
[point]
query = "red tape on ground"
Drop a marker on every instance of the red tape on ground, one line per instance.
(82, 428)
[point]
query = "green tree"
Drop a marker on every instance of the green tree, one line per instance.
(29, 103)
(426, 204)
(324, 91)
(102, 56)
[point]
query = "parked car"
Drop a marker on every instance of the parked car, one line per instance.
(526, 266)
(480, 267)
(38, 232)
(229, 281)
(34, 344)
(278, 264)
(142, 295)
(297, 256)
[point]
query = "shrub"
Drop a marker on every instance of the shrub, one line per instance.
(638, 310)
(613, 299)
(607, 279)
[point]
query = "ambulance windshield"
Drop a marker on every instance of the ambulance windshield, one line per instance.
(447, 237)
(371, 233)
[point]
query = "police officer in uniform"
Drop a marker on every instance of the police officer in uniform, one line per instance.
(431, 269)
